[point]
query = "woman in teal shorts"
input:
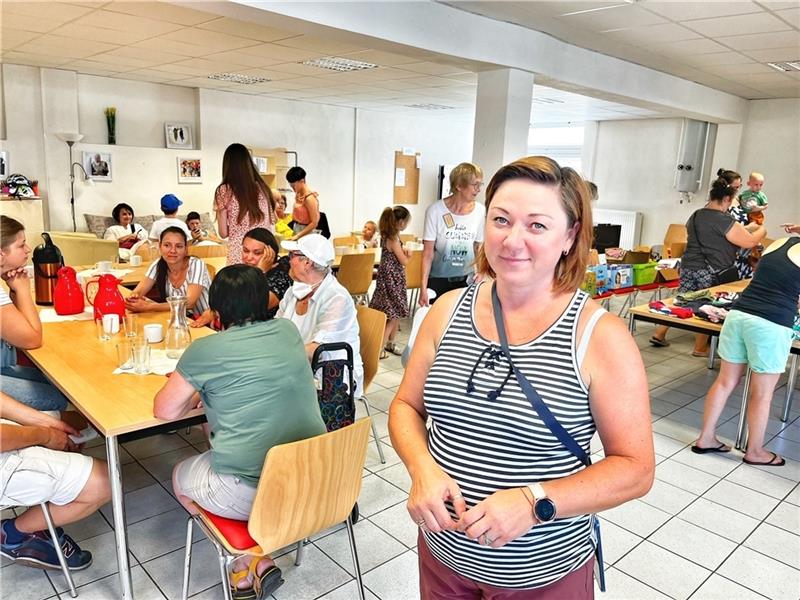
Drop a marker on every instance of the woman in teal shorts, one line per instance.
(758, 334)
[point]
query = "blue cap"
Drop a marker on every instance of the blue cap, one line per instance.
(170, 203)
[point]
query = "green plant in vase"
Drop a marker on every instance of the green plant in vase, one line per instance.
(111, 122)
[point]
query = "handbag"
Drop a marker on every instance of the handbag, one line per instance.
(555, 428)
(726, 275)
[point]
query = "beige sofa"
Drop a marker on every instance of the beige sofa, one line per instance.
(83, 248)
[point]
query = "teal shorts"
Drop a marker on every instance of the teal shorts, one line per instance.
(761, 344)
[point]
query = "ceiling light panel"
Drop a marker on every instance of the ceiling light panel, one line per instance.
(238, 78)
(339, 64)
(430, 106)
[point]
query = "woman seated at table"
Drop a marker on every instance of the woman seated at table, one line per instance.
(258, 392)
(757, 334)
(174, 274)
(283, 225)
(317, 303)
(19, 323)
(260, 249)
(128, 234)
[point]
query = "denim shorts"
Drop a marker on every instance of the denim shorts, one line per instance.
(761, 344)
(219, 493)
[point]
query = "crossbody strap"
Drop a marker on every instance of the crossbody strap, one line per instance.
(530, 393)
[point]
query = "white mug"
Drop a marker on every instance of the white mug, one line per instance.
(104, 266)
(136, 260)
(111, 324)
(154, 332)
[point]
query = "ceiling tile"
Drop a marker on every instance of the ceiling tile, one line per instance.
(774, 54)
(759, 41)
(153, 75)
(790, 16)
(619, 17)
(37, 60)
(314, 44)
(741, 24)
(747, 68)
(718, 58)
(240, 58)
(378, 57)
(98, 34)
(211, 40)
(760, 79)
(279, 54)
(270, 74)
(165, 11)
(173, 47)
(244, 29)
(123, 22)
(62, 46)
(150, 56)
(686, 11)
(299, 69)
(689, 47)
(125, 61)
(17, 22)
(653, 34)
(432, 68)
(56, 11)
(11, 38)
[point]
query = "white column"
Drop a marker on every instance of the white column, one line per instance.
(502, 118)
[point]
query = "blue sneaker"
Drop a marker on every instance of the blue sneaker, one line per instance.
(8, 550)
(37, 550)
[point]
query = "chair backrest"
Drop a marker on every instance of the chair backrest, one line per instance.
(414, 270)
(347, 240)
(371, 324)
(408, 237)
(355, 272)
(308, 486)
(208, 251)
(323, 226)
(84, 249)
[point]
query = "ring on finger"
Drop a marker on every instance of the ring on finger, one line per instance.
(487, 541)
(421, 522)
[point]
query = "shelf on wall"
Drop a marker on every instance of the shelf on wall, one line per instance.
(11, 198)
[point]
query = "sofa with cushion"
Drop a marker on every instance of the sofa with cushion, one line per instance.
(97, 224)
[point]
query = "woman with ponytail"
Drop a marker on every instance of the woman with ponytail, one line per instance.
(390, 283)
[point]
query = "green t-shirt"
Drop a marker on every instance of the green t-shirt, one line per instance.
(749, 199)
(258, 392)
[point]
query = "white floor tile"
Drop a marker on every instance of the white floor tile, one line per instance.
(693, 543)
(388, 379)
(397, 475)
(144, 503)
(685, 477)
(676, 430)
(167, 570)
(374, 545)
(762, 574)
(663, 570)
(741, 499)
(794, 496)
(380, 398)
(397, 579)
(667, 497)
(784, 447)
(761, 481)
(316, 575)
(719, 519)
(109, 587)
(348, 591)
(717, 587)
(637, 517)
(104, 562)
(28, 583)
(620, 586)
(161, 466)
(91, 526)
(617, 542)
(155, 445)
(715, 463)
(396, 521)
(786, 516)
(160, 534)
(776, 543)
(377, 494)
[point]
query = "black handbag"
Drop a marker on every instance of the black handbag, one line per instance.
(556, 428)
(726, 275)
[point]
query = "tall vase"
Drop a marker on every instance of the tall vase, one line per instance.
(112, 129)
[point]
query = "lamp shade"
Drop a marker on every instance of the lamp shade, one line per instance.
(70, 137)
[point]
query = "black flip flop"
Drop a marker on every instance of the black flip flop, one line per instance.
(769, 463)
(658, 343)
(722, 448)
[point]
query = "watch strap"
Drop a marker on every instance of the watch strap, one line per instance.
(538, 491)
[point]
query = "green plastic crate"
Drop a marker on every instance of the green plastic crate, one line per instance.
(644, 273)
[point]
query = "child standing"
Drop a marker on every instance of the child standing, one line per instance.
(753, 201)
(390, 283)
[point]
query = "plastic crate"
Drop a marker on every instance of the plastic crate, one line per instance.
(644, 273)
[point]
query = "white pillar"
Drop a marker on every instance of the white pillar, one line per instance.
(502, 118)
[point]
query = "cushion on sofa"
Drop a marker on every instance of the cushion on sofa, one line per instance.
(98, 224)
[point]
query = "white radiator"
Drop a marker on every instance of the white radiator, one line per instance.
(631, 222)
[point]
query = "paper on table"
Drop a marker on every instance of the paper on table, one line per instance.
(159, 364)
(89, 273)
(48, 315)
(84, 435)
(399, 177)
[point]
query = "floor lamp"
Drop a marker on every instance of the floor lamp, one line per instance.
(70, 139)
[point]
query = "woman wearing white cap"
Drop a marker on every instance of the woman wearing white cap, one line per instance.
(317, 303)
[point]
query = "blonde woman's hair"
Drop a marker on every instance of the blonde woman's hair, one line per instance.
(462, 174)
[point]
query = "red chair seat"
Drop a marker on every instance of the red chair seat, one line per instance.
(623, 291)
(647, 287)
(235, 532)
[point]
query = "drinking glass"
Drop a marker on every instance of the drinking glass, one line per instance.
(102, 334)
(125, 355)
(141, 357)
(130, 321)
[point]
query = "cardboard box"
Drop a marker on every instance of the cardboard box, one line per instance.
(675, 249)
(631, 258)
(620, 276)
(667, 274)
(601, 277)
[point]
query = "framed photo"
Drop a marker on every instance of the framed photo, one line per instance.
(262, 164)
(98, 165)
(190, 170)
(4, 164)
(179, 135)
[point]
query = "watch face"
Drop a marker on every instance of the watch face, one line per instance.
(545, 510)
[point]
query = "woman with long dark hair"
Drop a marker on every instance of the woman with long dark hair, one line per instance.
(174, 274)
(242, 200)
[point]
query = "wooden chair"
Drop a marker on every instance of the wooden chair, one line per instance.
(414, 280)
(355, 274)
(347, 240)
(305, 487)
(408, 237)
(209, 251)
(371, 324)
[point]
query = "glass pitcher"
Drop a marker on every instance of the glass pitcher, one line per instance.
(178, 336)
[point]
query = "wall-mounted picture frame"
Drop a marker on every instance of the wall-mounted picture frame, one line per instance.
(4, 165)
(262, 164)
(190, 170)
(179, 135)
(98, 165)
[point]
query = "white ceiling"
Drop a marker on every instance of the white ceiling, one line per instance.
(723, 45)
(164, 43)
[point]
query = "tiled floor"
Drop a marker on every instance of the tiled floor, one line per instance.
(711, 527)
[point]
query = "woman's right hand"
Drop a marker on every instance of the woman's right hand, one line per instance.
(203, 320)
(17, 280)
(430, 489)
(423, 296)
(266, 261)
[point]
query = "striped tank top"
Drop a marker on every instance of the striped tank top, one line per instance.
(489, 444)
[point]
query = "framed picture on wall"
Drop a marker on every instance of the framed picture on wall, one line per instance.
(98, 165)
(262, 164)
(179, 135)
(190, 170)
(4, 164)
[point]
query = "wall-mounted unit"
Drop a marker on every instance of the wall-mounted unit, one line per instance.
(694, 154)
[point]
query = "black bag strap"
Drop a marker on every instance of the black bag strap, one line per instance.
(530, 393)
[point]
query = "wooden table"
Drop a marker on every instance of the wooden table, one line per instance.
(120, 407)
(696, 325)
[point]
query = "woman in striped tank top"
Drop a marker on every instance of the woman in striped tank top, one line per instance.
(504, 509)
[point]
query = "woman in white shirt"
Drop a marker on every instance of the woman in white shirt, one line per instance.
(129, 235)
(174, 274)
(317, 304)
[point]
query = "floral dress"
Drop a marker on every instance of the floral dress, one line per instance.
(224, 198)
(743, 264)
(390, 286)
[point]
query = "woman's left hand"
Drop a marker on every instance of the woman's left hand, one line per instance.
(267, 260)
(502, 517)
(136, 303)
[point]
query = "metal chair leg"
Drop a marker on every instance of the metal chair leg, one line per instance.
(187, 560)
(354, 552)
(787, 404)
(59, 552)
(374, 430)
(223, 569)
(298, 557)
